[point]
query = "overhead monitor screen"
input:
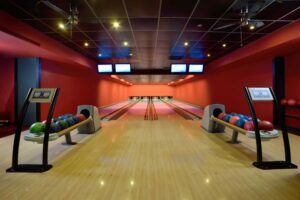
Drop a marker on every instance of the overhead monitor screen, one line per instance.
(178, 68)
(105, 68)
(196, 68)
(122, 68)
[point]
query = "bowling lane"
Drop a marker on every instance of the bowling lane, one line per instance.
(106, 110)
(193, 109)
(169, 158)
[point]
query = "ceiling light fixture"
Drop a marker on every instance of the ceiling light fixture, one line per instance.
(224, 45)
(252, 27)
(100, 54)
(130, 54)
(125, 43)
(186, 44)
(116, 24)
(61, 26)
(208, 54)
(86, 44)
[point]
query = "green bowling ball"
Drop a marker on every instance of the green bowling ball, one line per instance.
(37, 128)
(63, 124)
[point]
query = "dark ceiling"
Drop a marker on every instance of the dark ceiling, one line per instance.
(156, 30)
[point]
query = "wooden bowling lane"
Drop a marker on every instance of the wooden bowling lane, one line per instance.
(109, 109)
(170, 158)
(193, 109)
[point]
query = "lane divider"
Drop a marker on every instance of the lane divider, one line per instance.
(119, 112)
(182, 112)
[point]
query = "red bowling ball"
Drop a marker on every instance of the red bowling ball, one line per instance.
(291, 102)
(249, 126)
(283, 102)
(265, 125)
(221, 116)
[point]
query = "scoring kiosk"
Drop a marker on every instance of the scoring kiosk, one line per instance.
(267, 94)
(35, 95)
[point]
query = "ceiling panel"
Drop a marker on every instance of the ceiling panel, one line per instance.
(153, 27)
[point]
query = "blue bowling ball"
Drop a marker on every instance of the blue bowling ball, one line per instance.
(70, 121)
(75, 119)
(240, 115)
(68, 115)
(240, 123)
(227, 117)
(54, 128)
(55, 119)
(234, 114)
(61, 117)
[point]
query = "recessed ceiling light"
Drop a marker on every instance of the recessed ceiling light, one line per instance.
(100, 54)
(61, 26)
(125, 43)
(186, 44)
(199, 25)
(208, 55)
(224, 45)
(131, 54)
(116, 24)
(252, 27)
(86, 44)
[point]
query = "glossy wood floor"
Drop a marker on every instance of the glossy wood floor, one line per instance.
(170, 158)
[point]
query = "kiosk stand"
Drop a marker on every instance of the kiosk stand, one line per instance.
(267, 94)
(35, 95)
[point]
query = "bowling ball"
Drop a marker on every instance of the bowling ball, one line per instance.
(55, 119)
(233, 119)
(265, 125)
(45, 121)
(37, 128)
(227, 117)
(291, 102)
(68, 115)
(234, 114)
(221, 116)
(240, 115)
(61, 117)
(70, 121)
(249, 126)
(81, 117)
(240, 123)
(283, 102)
(54, 127)
(63, 124)
(76, 119)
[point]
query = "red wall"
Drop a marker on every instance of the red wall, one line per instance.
(77, 86)
(7, 89)
(151, 90)
(110, 92)
(226, 87)
(249, 66)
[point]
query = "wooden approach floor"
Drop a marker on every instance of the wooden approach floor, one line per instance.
(170, 158)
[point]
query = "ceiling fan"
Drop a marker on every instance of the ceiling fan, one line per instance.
(248, 9)
(71, 16)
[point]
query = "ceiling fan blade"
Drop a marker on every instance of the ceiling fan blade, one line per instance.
(258, 23)
(54, 7)
(259, 6)
(225, 26)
